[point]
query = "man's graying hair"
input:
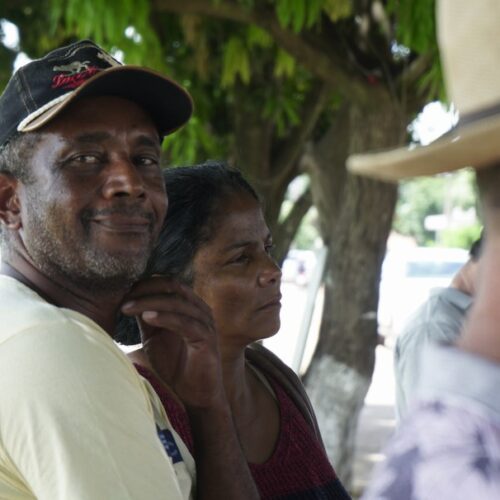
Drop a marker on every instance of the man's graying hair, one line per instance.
(15, 156)
(15, 159)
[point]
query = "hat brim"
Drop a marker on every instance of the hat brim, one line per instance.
(169, 105)
(474, 145)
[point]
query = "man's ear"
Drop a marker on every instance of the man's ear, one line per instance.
(10, 207)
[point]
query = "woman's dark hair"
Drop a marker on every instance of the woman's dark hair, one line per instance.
(195, 196)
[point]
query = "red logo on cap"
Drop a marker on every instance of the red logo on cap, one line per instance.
(73, 74)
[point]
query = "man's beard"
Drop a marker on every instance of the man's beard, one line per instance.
(56, 253)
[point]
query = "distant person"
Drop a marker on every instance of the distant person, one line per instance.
(82, 201)
(439, 319)
(301, 278)
(217, 242)
(448, 446)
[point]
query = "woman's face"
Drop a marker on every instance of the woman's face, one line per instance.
(236, 276)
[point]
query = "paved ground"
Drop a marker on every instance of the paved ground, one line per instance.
(377, 420)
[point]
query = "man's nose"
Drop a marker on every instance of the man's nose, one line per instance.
(123, 179)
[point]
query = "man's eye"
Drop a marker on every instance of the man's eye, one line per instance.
(147, 161)
(87, 158)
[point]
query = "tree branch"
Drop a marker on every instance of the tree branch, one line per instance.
(324, 64)
(288, 154)
(286, 230)
(223, 9)
(414, 100)
(415, 70)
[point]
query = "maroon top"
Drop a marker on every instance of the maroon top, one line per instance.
(298, 467)
(176, 412)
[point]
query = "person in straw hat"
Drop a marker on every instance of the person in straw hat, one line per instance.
(449, 446)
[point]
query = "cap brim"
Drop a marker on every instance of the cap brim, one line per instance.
(168, 103)
(475, 145)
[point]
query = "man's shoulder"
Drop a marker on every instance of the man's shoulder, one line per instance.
(22, 309)
(449, 301)
(441, 315)
(17, 299)
(43, 346)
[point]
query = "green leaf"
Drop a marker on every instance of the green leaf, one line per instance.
(285, 64)
(299, 15)
(337, 9)
(284, 12)
(236, 62)
(416, 27)
(258, 37)
(55, 15)
(314, 8)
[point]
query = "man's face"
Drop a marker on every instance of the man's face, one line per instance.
(98, 200)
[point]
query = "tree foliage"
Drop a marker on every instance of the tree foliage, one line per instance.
(213, 58)
(416, 30)
(421, 197)
(119, 24)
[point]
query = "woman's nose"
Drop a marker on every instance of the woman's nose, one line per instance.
(271, 273)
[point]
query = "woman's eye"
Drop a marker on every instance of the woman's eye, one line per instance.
(269, 248)
(241, 259)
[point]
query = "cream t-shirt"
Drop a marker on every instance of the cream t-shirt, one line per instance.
(76, 420)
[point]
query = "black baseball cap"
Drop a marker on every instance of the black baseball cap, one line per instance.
(41, 89)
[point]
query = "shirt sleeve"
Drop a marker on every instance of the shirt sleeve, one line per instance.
(449, 446)
(408, 350)
(75, 420)
(440, 323)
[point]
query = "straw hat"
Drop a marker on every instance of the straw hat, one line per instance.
(469, 41)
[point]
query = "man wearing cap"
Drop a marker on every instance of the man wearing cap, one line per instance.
(449, 446)
(81, 202)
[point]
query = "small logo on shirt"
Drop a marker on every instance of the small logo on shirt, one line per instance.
(168, 442)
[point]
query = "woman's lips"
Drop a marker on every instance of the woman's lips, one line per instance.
(274, 302)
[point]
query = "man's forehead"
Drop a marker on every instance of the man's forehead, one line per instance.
(140, 138)
(100, 106)
(96, 119)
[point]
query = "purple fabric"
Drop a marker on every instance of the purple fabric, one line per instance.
(443, 452)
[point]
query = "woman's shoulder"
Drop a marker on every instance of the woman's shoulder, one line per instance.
(269, 363)
(282, 375)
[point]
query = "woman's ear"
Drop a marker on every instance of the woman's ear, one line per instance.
(10, 207)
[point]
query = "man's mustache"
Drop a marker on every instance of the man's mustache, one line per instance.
(126, 210)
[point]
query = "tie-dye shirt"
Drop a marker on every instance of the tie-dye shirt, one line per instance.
(449, 446)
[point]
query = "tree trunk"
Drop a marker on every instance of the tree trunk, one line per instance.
(355, 220)
(253, 143)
